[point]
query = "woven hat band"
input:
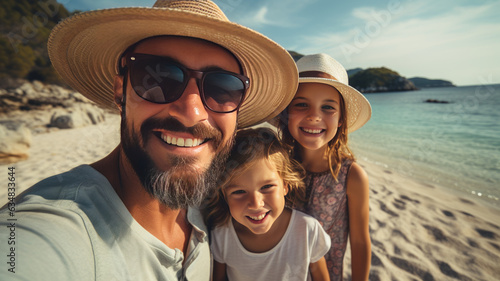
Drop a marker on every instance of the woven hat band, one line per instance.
(201, 7)
(318, 74)
(323, 63)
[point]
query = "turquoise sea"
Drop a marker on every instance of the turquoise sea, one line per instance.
(455, 145)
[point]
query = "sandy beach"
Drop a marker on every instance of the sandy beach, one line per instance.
(418, 231)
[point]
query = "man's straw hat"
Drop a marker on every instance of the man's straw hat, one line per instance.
(85, 48)
(358, 108)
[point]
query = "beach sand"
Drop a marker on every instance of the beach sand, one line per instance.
(418, 231)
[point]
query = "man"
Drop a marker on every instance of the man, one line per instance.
(183, 78)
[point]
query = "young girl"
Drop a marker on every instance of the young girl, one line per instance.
(256, 237)
(316, 123)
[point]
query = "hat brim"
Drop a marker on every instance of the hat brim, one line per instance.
(85, 48)
(358, 107)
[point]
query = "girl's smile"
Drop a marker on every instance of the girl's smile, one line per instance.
(312, 131)
(256, 197)
(314, 115)
(258, 219)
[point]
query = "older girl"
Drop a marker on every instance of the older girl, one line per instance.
(316, 124)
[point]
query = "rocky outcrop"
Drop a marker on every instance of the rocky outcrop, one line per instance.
(421, 82)
(33, 107)
(15, 141)
(436, 101)
(380, 79)
(76, 116)
(38, 96)
(43, 107)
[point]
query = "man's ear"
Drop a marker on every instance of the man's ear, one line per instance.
(118, 92)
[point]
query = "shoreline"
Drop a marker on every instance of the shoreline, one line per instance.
(419, 231)
(453, 146)
(468, 188)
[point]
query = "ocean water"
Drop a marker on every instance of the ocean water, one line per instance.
(455, 145)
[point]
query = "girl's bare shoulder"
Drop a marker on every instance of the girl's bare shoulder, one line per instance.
(357, 178)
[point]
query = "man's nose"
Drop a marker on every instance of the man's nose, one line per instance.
(189, 108)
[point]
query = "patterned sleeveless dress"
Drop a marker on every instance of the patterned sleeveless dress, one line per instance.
(327, 202)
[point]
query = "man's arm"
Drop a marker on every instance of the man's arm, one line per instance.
(45, 247)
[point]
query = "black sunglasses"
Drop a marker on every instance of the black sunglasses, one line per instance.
(161, 80)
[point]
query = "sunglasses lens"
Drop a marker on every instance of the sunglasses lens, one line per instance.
(156, 81)
(223, 92)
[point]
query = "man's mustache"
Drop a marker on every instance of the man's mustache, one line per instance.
(200, 131)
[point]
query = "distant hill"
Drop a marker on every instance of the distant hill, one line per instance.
(373, 79)
(421, 82)
(296, 56)
(351, 72)
(380, 79)
(25, 26)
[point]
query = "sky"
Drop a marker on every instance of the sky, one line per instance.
(454, 40)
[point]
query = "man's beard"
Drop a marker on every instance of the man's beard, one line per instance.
(182, 185)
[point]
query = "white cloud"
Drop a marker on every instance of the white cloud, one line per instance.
(459, 44)
(277, 13)
(262, 18)
(261, 15)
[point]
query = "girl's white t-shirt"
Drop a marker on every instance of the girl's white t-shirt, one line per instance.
(304, 242)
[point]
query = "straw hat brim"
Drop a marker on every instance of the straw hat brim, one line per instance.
(358, 108)
(85, 48)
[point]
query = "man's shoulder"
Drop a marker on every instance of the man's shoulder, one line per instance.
(55, 201)
(47, 234)
(53, 222)
(65, 186)
(66, 199)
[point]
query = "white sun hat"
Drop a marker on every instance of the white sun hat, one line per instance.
(358, 108)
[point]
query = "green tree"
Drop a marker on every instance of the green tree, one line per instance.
(18, 63)
(25, 26)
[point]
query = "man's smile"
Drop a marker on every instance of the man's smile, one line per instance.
(179, 141)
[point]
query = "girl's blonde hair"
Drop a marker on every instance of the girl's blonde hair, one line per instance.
(252, 145)
(337, 150)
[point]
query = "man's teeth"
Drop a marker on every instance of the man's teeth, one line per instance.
(258, 218)
(312, 131)
(182, 142)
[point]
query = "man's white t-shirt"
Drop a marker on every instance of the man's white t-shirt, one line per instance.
(73, 226)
